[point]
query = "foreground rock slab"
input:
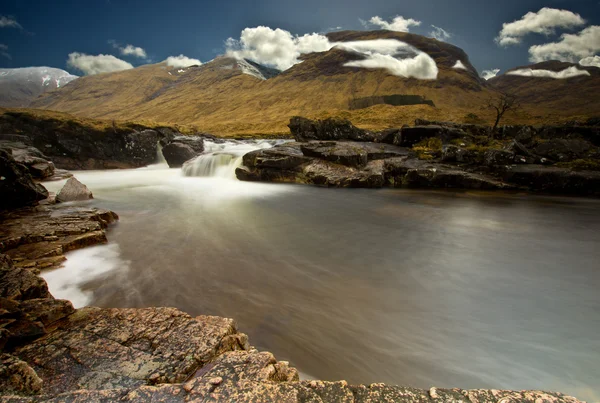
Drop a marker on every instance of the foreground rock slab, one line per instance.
(117, 348)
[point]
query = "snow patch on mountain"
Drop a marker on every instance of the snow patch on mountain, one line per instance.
(19, 87)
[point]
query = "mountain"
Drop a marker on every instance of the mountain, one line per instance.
(227, 96)
(18, 87)
(575, 94)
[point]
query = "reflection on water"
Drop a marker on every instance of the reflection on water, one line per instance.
(405, 287)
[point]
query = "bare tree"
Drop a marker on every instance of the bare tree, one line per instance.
(501, 104)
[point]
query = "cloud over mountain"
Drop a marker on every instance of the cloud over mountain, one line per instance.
(398, 23)
(182, 61)
(593, 61)
(543, 22)
(440, 34)
(90, 65)
(570, 47)
(4, 51)
(566, 73)
(489, 74)
(274, 47)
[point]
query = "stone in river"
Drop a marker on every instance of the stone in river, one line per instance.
(74, 190)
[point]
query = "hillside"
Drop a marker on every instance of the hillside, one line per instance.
(227, 96)
(19, 87)
(571, 96)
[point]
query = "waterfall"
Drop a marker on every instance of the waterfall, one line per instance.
(221, 159)
(160, 158)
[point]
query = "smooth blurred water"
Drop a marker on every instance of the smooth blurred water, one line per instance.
(418, 288)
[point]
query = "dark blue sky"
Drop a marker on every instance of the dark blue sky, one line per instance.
(198, 29)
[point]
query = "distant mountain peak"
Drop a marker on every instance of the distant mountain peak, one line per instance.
(21, 86)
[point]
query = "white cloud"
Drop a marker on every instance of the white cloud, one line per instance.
(566, 73)
(570, 47)
(593, 61)
(543, 22)
(459, 65)
(274, 47)
(399, 23)
(384, 53)
(9, 22)
(90, 65)
(131, 50)
(489, 74)
(4, 51)
(281, 49)
(182, 61)
(440, 34)
(421, 66)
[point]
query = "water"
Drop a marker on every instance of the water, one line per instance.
(221, 160)
(419, 288)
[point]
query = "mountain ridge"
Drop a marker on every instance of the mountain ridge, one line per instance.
(223, 97)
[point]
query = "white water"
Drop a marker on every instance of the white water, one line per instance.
(221, 160)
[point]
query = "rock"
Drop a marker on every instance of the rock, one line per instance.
(39, 166)
(196, 143)
(323, 173)
(17, 188)
(17, 377)
(303, 129)
(498, 157)
(345, 153)
(452, 153)
(59, 174)
(413, 135)
(177, 153)
(73, 145)
(17, 283)
(46, 310)
(38, 238)
(73, 190)
(563, 150)
(439, 177)
(541, 178)
(118, 348)
(390, 136)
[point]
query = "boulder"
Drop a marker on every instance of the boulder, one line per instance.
(196, 143)
(345, 153)
(39, 166)
(304, 129)
(390, 136)
(177, 153)
(413, 135)
(324, 173)
(498, 157)
(17, 188)
(73, 190)
(452, 153)
(563, 150)
(541, 178)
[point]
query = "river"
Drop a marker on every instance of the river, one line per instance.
(418, 288)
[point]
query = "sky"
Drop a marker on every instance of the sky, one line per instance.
(128, 33)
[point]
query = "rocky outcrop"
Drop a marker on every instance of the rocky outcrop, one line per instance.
(303, 129)
(177, 153)
(432, 155)
(39, 166)
(16, 184)
(73, 190)
(73, 145)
